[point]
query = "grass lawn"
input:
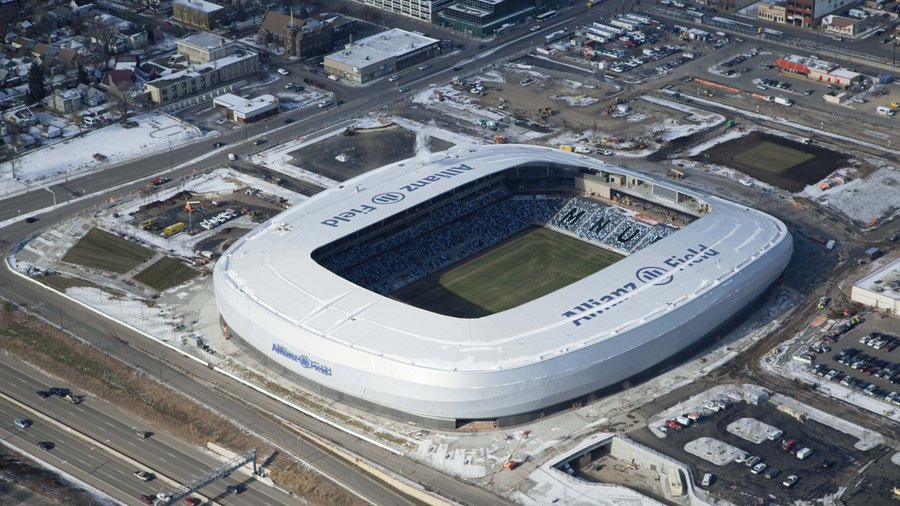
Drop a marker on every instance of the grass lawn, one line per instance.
(525, 267)
(772, 157)
(102, 250)
(165, 273)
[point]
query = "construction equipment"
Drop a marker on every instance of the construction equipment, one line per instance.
(489, 124)
(173, 229)
(500, 139)
(192, 205)
(566, 147)
(510, 463)
(146, 224)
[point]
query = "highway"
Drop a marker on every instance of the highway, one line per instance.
(103, 423)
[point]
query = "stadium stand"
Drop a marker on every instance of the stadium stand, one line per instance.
(448, 231)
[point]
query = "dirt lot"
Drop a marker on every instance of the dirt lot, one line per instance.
(834, 464)
(790, 177)
(364, 151)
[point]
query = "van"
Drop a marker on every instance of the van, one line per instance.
(90, 120)
(232, 157)
(683, 420)
(707, 479)
(885, 111)
(803, 453)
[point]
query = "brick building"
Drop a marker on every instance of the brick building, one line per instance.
(198, 14)
(304, 37)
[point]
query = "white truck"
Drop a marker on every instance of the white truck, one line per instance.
(885, 111)
(784, 101)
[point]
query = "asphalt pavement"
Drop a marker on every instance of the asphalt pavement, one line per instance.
(104, 424)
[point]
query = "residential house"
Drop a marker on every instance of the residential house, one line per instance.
(135, 36)
(22, 43)
(91, 96)
(65, 101)
(43, 51)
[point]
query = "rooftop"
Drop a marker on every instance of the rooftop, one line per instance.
(201, 5)
(204, 40)
(388, 44)
(885, 280)
(245, 106)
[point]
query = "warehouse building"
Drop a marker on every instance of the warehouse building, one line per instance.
(381, 55)
(880, 289)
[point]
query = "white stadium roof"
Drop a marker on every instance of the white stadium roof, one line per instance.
(271, 270)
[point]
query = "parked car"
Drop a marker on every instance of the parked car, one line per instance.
(758, 468)
(752, 461)
(772, 472)
(790, 480)
(790, 445)
(707, 479)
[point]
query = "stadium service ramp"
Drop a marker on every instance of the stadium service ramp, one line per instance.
(594, 333)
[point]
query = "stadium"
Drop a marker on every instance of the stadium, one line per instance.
(493, 284)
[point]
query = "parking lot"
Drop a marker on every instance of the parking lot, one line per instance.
(865, 359)
(834, 461)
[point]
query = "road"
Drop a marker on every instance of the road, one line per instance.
(80, 457)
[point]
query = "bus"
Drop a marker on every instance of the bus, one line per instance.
(545, 16)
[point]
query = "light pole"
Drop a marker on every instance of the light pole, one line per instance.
(49, 190)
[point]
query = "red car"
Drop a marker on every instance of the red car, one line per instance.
(146, 499)
(191, 501)
(672, 424)
(790, 445)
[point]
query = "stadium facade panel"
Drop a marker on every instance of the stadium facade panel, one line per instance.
(589, 335)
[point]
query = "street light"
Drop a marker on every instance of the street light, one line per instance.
(49, 190)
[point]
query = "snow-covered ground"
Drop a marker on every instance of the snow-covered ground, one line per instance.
(71, 157)
(876, 196)
(717, 453)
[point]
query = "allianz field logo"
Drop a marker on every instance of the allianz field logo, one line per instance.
(304, 361)
(653, 275)
(388, 198)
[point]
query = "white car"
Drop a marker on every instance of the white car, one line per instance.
(758, 468)
(283, 72)
(394, 77)
(425, 66)
(790, 480)
(535, 28)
